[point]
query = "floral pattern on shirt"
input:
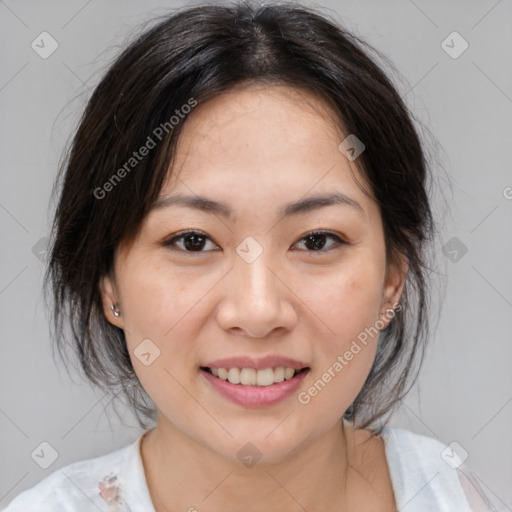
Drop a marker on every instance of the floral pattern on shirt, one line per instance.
(110, 491)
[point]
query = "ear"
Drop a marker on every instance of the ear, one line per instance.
(109, 297)
(396, 275)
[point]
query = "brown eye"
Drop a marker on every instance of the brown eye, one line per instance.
(316, 241)
(189, 241)
(197, 242)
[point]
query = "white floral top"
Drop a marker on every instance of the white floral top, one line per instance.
(427, 476)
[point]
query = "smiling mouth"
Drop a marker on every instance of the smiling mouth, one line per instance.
(252, 377)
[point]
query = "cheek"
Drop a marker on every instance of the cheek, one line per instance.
(154, 298)
(163, 307)
(158, 307)
(347, 301)
(348, 305)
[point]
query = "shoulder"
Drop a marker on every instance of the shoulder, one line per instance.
(81, 486)
(429, 475)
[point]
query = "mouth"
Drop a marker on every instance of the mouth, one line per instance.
(254, 388)
(251, 377)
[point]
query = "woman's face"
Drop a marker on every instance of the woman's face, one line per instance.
(252, 284)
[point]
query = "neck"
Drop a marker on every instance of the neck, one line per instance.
(185, 475)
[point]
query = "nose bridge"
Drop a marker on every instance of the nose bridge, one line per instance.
(254, 300)
(256, 283)
(255, 296)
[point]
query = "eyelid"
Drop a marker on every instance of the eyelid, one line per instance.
(339, 240)
(168, 242)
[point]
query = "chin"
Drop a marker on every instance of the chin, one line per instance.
(262, 443)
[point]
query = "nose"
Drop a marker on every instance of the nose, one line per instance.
(256, 300)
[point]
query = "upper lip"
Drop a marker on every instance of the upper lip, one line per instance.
(272, 361)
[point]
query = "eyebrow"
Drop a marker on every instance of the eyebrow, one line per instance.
(290, 209)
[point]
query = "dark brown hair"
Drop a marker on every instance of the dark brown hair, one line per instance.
(192, 55)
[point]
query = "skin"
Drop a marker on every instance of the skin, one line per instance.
(257, 148)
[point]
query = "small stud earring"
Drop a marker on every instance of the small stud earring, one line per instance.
(389, 313)
(113, 308)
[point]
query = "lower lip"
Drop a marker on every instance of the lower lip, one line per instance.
(255, 396)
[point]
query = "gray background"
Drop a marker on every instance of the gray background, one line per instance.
(464, 393)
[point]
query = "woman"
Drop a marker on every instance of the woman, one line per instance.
(239, 247)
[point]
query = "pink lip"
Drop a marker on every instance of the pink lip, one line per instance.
(257, 364)
(255, 396)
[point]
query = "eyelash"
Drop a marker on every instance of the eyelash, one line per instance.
(172, 241)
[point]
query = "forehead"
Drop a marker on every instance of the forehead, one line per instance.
(260, 132)
(258, 144)
(265, 121)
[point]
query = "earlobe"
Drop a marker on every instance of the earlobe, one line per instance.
(109, 300)
(395, 281)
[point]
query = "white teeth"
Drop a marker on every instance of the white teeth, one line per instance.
(279, 374)
(248, 376)
(288, 373)
(234, 375)
(265, 377)
(252, 377)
